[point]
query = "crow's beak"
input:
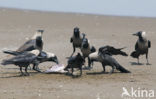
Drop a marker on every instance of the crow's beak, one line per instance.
(135, 34)
(56, 60)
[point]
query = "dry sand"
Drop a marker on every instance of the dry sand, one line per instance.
(18, 25)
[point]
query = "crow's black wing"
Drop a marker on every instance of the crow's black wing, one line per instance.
(22, 58)
(149, 44)
(71, 40)
(102, 48)
(136, 46)
(112, 50)
(115, 51)
(28, 46)
(109, 60)
(15, 53)
(105, 50)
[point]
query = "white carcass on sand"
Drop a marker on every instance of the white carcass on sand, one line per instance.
(56, 69)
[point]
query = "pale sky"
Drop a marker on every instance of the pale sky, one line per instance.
(106, 7)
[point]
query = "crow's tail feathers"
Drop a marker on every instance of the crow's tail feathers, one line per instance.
(122, 53)
(11, 52)
(122, 69)
(134, 54)
(93, 49)
(5, 62)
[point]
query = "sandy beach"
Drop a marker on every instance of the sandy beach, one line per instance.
(16, 26)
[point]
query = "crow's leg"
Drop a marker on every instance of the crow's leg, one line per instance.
(84, 61)
(112, 70)
(80, 70)
(66, 68)
(147, 59)
(138, 60)
(36, 68)
(92, 63)
(72, 71)
(85, 66)
(29, 67)
(21, 71)
(89, 63)
(27, 74)
(103, 65)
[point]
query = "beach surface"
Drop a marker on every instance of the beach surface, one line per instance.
(17, 26)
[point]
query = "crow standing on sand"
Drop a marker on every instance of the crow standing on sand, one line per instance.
(35, 42)
(142, 45)
(42, 57)
(23, 60)
(109, 50)
(77, 39)
(105, 58)
(75, 62)
(87, 49)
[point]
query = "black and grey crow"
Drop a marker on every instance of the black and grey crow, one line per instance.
(76, 39)
(35, 42)
(87, 49)
(109, 50)
(75, 62)
(112, 51)
(142, 46)
(42, 57)
(23, 60)
(45, 57)
(105, 59)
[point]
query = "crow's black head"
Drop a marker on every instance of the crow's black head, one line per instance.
(141, 35)
(138, 34)
(46, 56)
(39, 41)
(76, 32)
(85, 43)
(40, 31)
(80, 59)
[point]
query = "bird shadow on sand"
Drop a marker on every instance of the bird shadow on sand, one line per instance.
(11, 76)
(57, 73)
(136, 63)
(100, 73)
(19, 75)
(139, 64)
(17, 68)
(12, 68)
(72, 76)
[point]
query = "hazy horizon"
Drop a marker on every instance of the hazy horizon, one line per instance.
(138, 8)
